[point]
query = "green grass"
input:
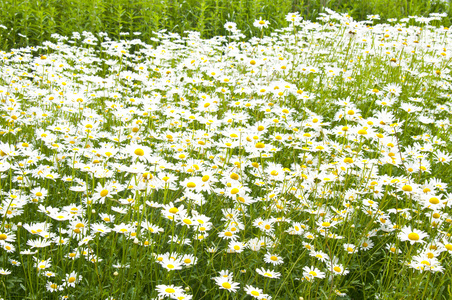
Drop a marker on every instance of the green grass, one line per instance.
(32, 22)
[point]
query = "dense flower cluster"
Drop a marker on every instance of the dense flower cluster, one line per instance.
(287, 159)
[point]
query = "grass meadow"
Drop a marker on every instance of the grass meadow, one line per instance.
(307, 161)
(31, 22)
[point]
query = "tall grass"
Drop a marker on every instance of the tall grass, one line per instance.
(31, 22)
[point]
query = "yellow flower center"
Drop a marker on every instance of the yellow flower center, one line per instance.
(362, 131)
(407, 188)
(191, 185)
(234, 176)
(139, 152)
(226, 285)
(348, 160)
(173, 210)
(434, 200)
(413, 236)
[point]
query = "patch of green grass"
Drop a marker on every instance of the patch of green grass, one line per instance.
(32, 22)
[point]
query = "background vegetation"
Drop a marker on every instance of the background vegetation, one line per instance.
(31, 22)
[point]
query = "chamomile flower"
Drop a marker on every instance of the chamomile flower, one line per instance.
(260, 23)
(254, 292)
(273, 259)
(226, 283)
(4, 271)
(411, 235)
(312, 272)
(169, 290)
(268, 273)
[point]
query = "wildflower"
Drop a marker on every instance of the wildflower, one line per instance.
(273, 259)
(412, 235)
(392, 248)
(53, 287)
(72, 279)
(123, 228)
(236, 247)
(4, 271)
(350, 248)
(230, 26)
(367, 244)
(255, 292)
(226, 283)
(339, 269)
(312, 272)
(169, 290)
(261, 23)
(7, 237)
(268, 273)
(170, 264)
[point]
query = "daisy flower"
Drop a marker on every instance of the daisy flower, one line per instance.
(338, 269)
(169, 290)
(255, 292)
(138, 152)
(72, 279)
(226, 283)
(261, 23)
(392, 248)
(123, 228)
(268, 273)
(5, 272)
(273, 259)
(350, 248)
(319, 255)
(236, 247)
(171, 265)
(226, 274)
(53, 287)
(412, 235)
(312, 272)
(367, 244)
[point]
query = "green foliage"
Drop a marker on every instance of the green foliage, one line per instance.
(31, 22)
